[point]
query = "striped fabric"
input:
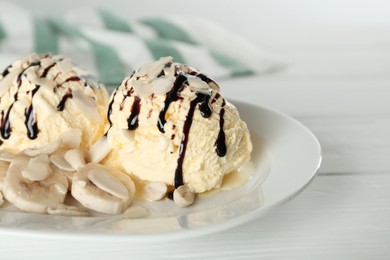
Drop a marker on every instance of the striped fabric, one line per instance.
(112, 46)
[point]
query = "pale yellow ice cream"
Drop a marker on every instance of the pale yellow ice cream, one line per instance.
(170, 123)
(44, 96)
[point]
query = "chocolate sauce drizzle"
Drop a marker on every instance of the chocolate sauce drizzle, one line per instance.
(74, 78)
(5, 123)
(132, 121)
(61, 105)
(47, 69)
(205, 78)
(216, 97)
(5, 127)
(200, 99)
(109, 110)
(30, 121)
(171, 96)
(6, 71)
(220, 143)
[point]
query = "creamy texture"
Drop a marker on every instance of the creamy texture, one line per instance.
(170, 123)
(44, 96)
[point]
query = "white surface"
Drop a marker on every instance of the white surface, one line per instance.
(285, 159)
(337, 84)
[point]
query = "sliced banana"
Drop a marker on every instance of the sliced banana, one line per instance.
(14, 158)
(66, 210)
(3, 171)
(103, 189)
(68, 174)
(34, 196)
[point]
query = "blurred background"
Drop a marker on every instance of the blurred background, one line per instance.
(333, 43)
(265, 22)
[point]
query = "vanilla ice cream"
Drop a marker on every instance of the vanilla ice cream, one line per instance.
(44, 96)
(169, 123)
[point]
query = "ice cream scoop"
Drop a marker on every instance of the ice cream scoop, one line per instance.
(44, 96)
(169, 123)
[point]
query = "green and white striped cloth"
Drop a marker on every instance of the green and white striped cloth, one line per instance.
(111, 46)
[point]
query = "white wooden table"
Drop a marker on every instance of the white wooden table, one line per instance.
(338, 84)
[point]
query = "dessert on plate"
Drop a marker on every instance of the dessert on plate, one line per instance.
(167, 127)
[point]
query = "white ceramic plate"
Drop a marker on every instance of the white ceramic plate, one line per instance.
(286, 157)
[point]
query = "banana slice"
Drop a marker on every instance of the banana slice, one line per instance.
(66, 210)
(103, 189)
(34, 196)
(14, 158)
(3, 171)
(68, 174)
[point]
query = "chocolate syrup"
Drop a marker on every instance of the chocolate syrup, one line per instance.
(205, 78)
(5, 127)
(74, 78)
(200, 98)
(109, 110)
(216, 97)
(30, 121)
(162, 73)
(6, 71)
(61, 105)
(220, 143)
(132, 121)
(204, 107)
(5, 124)
(47, 69)
(171, 96)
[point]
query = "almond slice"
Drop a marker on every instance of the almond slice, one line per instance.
(105, 181)
(86, 105)
(75, 157)
(6, 82)
(38, 168)
(58, 160)
(198, 85)
(162, 84)
(98, 150)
